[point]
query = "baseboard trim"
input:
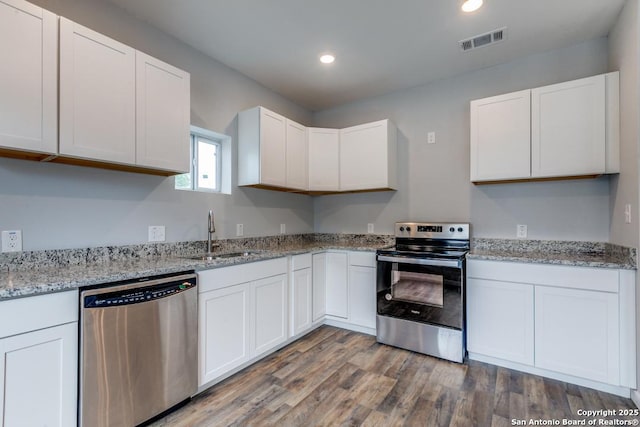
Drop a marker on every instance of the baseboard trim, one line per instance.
(635, 396)
(350, 326)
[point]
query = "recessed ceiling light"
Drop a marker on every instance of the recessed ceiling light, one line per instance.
(327, 58)
(471, 5)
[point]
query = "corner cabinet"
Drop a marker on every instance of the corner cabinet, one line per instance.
(575, 324)
(368, 157)
(39, 356)
(28, 81)
(566, 130)
(276, 153)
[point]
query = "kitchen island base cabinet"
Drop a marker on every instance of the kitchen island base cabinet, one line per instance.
(575, 324)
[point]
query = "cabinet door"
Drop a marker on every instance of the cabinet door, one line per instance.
(577, 333)
(38, 380)
(28, 77)
(297, 157)
(501, 137)
(362, 296)
(301, 305)
(336, 285)
(97, 96)
(364, 161)
(162, 115)
(273, 148)
(324, 159)
(319, 282)
(269, 298)
(500, 320)
(223, 331)
(568, 128)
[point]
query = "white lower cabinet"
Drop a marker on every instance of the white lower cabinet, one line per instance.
(350, 286)
(301, 294)
(269, 313)
(570, 323)
(577, 333)
(243, 313)
(362, 289)
(500, 319)
(39, 359)
(224, 330)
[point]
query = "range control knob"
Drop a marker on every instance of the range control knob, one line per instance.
(459, 229)
(408, 229)
(451, 229)
(401, 229)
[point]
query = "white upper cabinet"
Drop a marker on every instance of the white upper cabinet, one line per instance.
(297, 156)
(568, 128)
(368, 156)
(564, 130)
(324, 159)
(162, 115)
(501, 137)
(97, 96)
(272, 150)
(28, 78)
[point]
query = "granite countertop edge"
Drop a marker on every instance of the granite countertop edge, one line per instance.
(574, 260)
(17, 284)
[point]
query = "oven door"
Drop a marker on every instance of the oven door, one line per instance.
(422, 290)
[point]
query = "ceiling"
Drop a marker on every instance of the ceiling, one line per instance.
(380, 45)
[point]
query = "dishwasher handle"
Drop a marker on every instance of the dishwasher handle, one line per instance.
(138, 293)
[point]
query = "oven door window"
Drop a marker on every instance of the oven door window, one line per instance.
(418, 288)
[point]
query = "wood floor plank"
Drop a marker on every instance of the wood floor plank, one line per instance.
(333, 377)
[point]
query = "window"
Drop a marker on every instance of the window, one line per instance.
(210, 163)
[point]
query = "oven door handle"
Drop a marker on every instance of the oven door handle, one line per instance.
(420, 261)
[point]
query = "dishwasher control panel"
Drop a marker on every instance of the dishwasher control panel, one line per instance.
(137, 295)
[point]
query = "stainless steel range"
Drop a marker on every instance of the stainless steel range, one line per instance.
(421, 289)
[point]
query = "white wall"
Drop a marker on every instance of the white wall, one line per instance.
(59, 206)
(434, 179)
(624, 55)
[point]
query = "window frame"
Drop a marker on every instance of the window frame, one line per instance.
(222, 144)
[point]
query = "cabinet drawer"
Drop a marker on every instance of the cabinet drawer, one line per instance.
(363, 259)
(594, 279)
(218, 278)
(37, 312)
(299, 262)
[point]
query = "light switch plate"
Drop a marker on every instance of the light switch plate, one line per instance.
(283, 228)
(239, 230)
(12, 241)
(370, 228)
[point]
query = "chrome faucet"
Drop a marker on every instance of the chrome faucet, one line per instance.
(211, 228)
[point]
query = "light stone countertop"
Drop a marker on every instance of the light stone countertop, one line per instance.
(577, 254)
(33, 281)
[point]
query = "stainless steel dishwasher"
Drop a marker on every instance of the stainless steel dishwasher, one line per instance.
(138, 349)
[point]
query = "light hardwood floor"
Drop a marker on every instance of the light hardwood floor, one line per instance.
(334, 377)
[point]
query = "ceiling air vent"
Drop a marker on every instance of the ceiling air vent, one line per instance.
(486, 39)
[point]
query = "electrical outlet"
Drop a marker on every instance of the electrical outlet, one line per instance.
(12, 241)
(239, 230)
(156, 233)
(431, 138)
(283, 228)
(627, 213)
(370, 228)
(521, 231)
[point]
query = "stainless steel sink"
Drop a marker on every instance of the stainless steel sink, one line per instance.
(214, 256)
